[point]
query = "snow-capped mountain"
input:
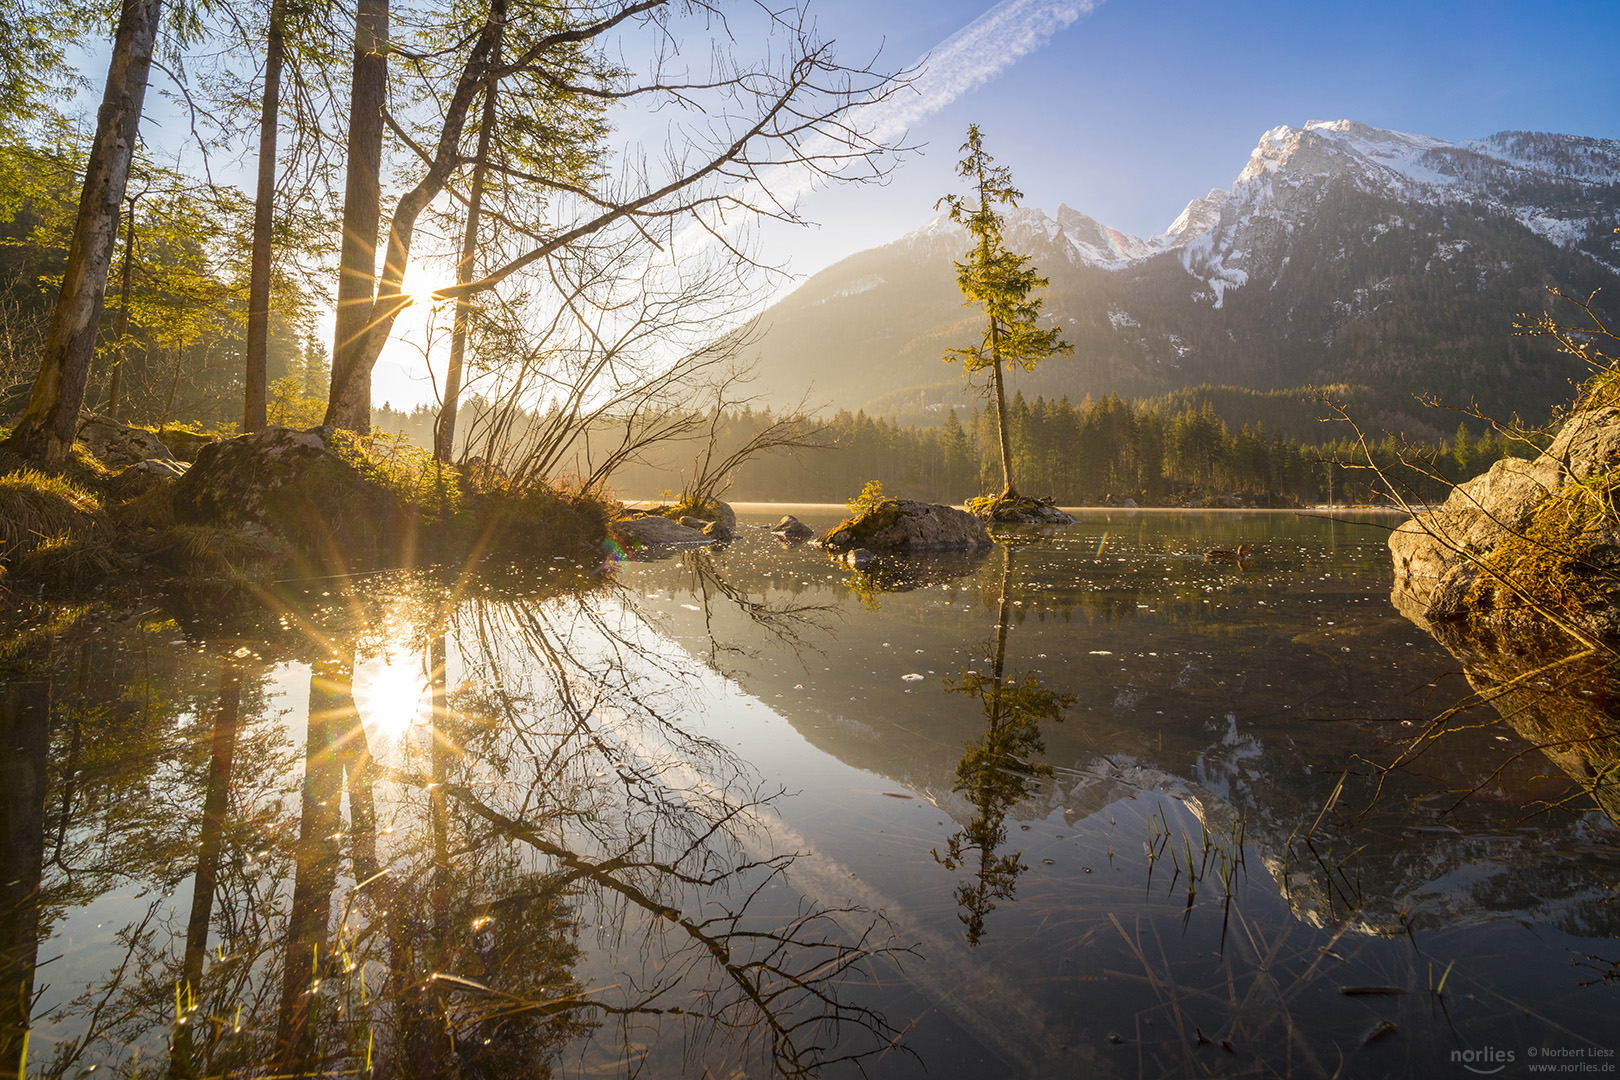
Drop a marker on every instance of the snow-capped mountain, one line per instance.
(1341, 253)
(1511, 173)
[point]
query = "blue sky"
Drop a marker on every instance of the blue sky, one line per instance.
(1138, 106)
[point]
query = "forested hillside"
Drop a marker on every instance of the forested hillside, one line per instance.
(1097, 453)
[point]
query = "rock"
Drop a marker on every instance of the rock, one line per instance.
(905, 525)
(184, 443)
(119, 446)
(1018, 510)
(724, 514)
(655, 530)
(156, 467)
(716, 530)
(791, 528)
(1129, 504)
(251, 478)
(1439, 555)
(697, 520)
(860, 558)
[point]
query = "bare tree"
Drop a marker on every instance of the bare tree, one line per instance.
(752, 128)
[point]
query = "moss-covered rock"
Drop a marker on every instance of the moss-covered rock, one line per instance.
(1527, 543)
(1017, 510)
(905, 525)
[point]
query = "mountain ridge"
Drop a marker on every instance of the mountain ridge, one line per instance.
(1342, 253)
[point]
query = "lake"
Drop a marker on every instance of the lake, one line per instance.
(1086, 804)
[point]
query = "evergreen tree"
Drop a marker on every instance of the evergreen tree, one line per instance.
(999, 282)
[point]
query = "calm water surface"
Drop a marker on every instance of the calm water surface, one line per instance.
(1085, 805)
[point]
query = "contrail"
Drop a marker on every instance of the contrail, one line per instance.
(972, 56)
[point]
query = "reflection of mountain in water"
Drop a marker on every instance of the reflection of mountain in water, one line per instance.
(1257, 709)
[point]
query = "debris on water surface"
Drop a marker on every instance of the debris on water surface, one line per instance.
(1381, 1029)
(912, 677)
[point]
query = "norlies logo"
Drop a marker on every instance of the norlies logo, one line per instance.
(1484, 1061)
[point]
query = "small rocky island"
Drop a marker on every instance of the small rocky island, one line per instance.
(906, 526)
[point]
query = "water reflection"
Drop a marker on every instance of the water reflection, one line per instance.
(1246, 732)
(553, 858)
(998, 770)
(25, 707)
(1558, 696)
(559, 845)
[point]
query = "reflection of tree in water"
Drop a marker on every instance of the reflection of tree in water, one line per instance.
(997, 771)
(553, 856)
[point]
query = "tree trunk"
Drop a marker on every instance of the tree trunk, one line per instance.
(349, 403)
(1007, 490)
(444, 433)
(113, 395)
(255, 413)
(50, 423)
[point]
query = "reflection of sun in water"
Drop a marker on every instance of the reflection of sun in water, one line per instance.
(391, 693)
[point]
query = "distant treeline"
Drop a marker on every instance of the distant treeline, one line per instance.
(1097, 453)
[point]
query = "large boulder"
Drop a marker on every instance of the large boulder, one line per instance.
(1526, 542)
(908, 526)
(118, 446)
(252, 478)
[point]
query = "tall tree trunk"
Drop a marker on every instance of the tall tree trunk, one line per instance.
(256, 406)
(222, 753)
(444, 433)
(50, 423)
(349, 403)
(113, 397)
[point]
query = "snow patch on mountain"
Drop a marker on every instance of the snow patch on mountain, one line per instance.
(856, 287)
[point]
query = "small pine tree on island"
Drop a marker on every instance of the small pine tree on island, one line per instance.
(999, 283)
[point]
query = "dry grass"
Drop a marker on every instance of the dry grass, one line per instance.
(151, 509)
(1550, 559)
(206, 551)
(69, 559)
(36, 507)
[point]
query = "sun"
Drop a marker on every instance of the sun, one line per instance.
(419, 283)
(391, 693)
